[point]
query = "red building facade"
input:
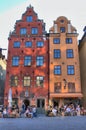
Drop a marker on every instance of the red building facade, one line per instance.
(27, 62)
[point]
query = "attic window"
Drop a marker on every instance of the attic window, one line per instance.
(29, 18)
(62, 21)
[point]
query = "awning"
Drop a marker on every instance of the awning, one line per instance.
(66, 95)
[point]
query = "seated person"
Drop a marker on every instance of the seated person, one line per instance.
(28, 112)
(5, 114)
(49, 110)
(68, 111)
(34, 111)
(54, 111)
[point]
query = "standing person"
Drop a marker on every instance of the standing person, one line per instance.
(17, 108)
(34, 111)
(78, 110)
(23, 109)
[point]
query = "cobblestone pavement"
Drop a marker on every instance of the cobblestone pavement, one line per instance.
(44, 123)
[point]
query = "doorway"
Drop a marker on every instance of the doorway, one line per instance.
(41, 106)
(27, 103)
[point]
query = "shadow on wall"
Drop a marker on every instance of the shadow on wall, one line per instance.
(2, 84)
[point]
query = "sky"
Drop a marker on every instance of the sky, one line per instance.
(48, 10)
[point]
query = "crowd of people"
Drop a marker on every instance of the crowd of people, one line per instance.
(31, 111)
(15, 111)
(66, 110)
(28, 111)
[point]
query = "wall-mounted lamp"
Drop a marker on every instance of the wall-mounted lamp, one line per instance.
(65, 83)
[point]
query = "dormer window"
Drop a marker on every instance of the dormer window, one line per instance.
(29, 18)
(62, 29)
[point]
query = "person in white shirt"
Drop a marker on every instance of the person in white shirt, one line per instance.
(78, 110)
(54, 111)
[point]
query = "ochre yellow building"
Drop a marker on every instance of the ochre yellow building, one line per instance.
(64, 70)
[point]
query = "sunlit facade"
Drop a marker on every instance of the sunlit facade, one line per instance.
(27, 62)
(64, 78)
(43, 68)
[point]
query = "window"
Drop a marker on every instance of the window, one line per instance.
(16, 44)
(62, 21)
(27, 80)
(71, 87)
(40, 44)
(27, 60)
(56, 40)
(39, 60)
(57, 70)
(57, 87)
(29, 18)
(15, 61)
(62, 29)
(70, 69)
(14, 81)
(39, 81)
(23, 31)
(57, 53)
(34, 30)
(69, 53)
(28, 44)
(68, 40)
